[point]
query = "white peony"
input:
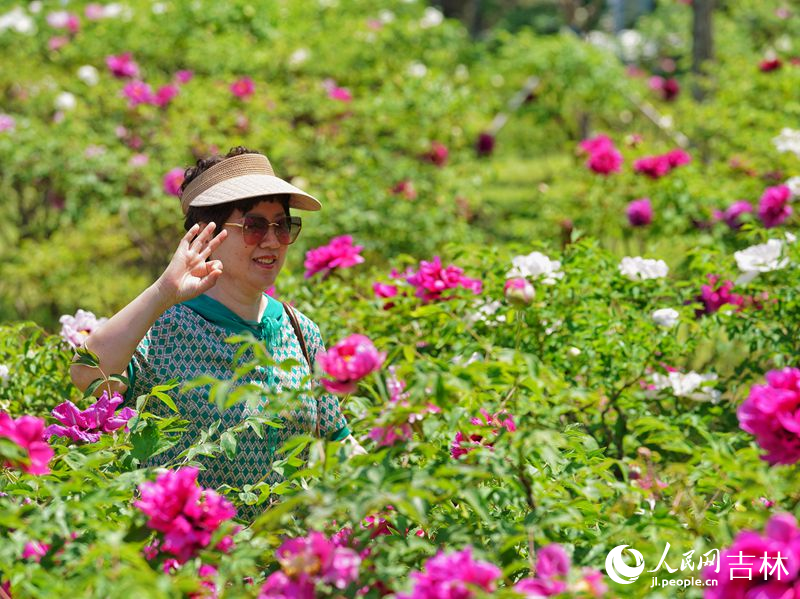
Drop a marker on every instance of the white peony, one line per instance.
(88, 74)
(417, 69)
(3, 372)
(431, 18)
(536, 265)
(17, 20)
(299, 56)
(666, 317)
(794, 186)
(65, 101)
(764, 257)
(692, 385)
(386, 16)
(486, 312)
(788, 141)
(638, 268)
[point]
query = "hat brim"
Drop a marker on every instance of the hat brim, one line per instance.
(250, 186)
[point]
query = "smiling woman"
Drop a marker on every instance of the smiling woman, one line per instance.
(239, 229)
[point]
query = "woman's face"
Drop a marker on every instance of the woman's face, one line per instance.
(248, 265)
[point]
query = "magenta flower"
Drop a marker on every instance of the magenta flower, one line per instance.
(173, 180)
(677, 157)
(340, 93)
(453, 576)
(165, 94)
(771, 413)
(668, 89)
(280, 586)
(7, 122)
(94, 12)
(187, 515)
(404, 188)
(75, 329)
(431, 280)
(654, 167)
(463, 444)
(484, 146)
(552, 568)
(773, 207)
(770, 64)
(437, 154)
(137, 93)
(518, 291)
(123, 66)
(339, 253)
(348, 362)
(243, 88)
(640, 212)
(27, 432)
(89, 424)
(57, 42)
(604, 158)
(714, 296)
(64, 20)
(386, 436)
(733, 213)
(764, 566)
(184, 76)
(314, 557)
(384, 290)
(35, 550)
(596, 144)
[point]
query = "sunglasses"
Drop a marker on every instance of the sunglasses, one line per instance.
(255, 228)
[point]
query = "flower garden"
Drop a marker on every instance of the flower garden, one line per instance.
(556, 274)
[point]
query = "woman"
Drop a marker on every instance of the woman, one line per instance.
(239, 227)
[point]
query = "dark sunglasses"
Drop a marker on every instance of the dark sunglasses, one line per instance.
(255, 228)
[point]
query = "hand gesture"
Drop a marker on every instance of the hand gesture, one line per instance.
(188, 274)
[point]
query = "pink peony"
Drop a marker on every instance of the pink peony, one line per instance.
(437, 154)
(431, 280)
(770, 64)
(137, 93)
(57, 42)
(89, 424)
(667, 88)
(678, 157)
(187, 515)
(138, 160)
(64, 20)
(714, 296)
(27, 432)
(770, 412)
(173, 180)
(764, 567)
(339, 253)
(596, 144)
(640, 212)
(7, 122)
(453, 576)
(314, 558)
(280, 586)
(733, 213)
(518, 291)
(773, 207)
(243, 88)
(35, 550)
(75, 329)
(184, 76)
(164, 95)
(348, 362)
(94, 12)
(463, 444)
(404, 188)
(340, 93)
(123, 66)
(605, 161)
(654, 167)
(386, 436)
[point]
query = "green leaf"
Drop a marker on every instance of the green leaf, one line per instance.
(166, 399)
(228, 444)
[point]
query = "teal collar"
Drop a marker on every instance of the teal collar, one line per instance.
(219, 314)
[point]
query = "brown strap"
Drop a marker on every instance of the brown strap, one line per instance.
(299, 334)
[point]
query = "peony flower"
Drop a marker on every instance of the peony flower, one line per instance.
(75, 329)
(770, 413)
(7, 122)
(639, 269)
(764, 257)
(758, 566)
(714, 296)
(89, 75)
(89, 424)
(406, 189)
(4, 372)
(452, 576)
(537, 266)
(243, 88)
(677, 157)
(139, 160)
(173, 180)
(164, 95)
(484, 146)
(57, 42)
(18, 20)
(184, 76)
(337, 93)
(137, 93)
(339, 253)
(773, 207)
(654, 167)
(437, 154)
(64, 20)
(769, 64)
(667, 88)
(348, 362)
(690, 385)
(596, 144)
(27, 432)
(184, 513)
(463, 444)
(35, 550)
(666, 317)
(432, 17)
(65, 101)
(123, 66)
(431, 280)
(280, 586)
(788, 141)
(605, 161)
(639, 212)
(307, 559)
(733, 213)
(519, 291)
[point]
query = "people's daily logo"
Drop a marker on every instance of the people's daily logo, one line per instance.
(618, 570)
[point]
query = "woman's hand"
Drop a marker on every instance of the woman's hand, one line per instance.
(188, 274)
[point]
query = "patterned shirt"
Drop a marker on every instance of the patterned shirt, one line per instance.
(188, 341)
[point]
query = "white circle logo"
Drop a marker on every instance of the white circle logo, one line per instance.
(618, 570)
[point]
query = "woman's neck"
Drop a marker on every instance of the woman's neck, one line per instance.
(244, 305)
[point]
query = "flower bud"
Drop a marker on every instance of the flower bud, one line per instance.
(519, 291)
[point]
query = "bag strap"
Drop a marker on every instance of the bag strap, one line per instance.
(299, 334)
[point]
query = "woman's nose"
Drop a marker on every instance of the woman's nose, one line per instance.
(270, 239)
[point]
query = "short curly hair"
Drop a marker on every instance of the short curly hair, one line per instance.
(220, 213)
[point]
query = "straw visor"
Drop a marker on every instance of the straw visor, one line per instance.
(240, 177)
